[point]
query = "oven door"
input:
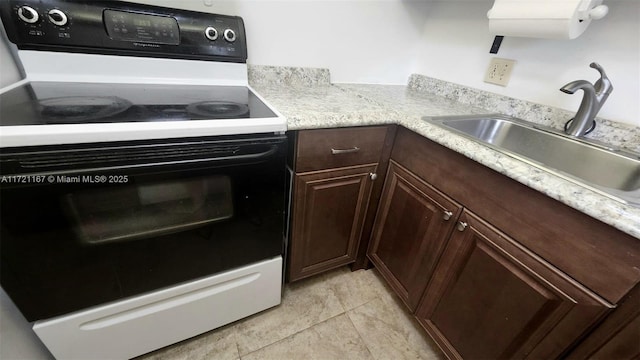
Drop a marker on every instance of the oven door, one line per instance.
(86, 225)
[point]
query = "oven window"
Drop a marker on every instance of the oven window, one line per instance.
(133, 212)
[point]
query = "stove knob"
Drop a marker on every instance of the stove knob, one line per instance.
(230, 35)
(57, 17)
(28, 14)
(211, 33)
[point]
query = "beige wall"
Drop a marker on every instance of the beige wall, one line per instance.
(455, 47)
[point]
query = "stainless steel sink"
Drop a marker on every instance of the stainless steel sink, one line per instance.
(609, 171)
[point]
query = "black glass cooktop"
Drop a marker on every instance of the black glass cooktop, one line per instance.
(42, 103)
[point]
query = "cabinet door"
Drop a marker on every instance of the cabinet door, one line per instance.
(618, 337)
(491, 298)
(328, 214)
(414, 220)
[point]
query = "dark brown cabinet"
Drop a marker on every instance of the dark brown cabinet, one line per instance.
(598, 256)
(618, 337)
(491, 298)
(329, 211)
(410, 232)
(338, 178)
(490, 267)
(512, 274)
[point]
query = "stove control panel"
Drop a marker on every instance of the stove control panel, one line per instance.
(122, 28)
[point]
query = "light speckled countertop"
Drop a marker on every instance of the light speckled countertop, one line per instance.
(323, 105)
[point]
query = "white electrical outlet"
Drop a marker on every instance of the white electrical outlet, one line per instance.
(499, 71)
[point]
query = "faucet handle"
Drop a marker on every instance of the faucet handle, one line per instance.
(598, 67)
(603, 84)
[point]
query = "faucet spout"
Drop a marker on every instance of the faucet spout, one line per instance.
(574, 86)
(594, 97)
(584, 119)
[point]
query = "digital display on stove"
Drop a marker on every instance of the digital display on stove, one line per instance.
(135, 27)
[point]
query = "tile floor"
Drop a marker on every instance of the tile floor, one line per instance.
(338, 315)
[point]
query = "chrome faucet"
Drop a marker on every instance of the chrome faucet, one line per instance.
(594, 97)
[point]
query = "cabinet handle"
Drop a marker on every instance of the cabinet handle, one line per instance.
(345, 151)
(373, 176)
(447, 215)
(462, 225)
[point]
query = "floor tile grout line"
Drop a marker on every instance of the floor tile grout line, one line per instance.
(355, 327)
(412, 319)
(238, 349)
(301, 330)
(377, 297)
(297, 332)
(340, 301)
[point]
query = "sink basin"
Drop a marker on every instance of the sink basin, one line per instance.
(608, 171)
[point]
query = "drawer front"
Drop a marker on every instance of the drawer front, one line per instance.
(132, 327)
(333, 148)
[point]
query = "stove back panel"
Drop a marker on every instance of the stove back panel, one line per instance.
(121, 28)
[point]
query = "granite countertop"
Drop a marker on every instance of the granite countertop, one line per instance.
(324, 105)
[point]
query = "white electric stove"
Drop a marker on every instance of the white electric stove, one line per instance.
(143, 182)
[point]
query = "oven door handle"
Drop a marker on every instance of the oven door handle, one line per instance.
(82, 168)
(235, 158)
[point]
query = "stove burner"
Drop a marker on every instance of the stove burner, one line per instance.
(219, 109)
(81, 108)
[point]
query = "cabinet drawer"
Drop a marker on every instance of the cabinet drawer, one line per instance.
(333, 148)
